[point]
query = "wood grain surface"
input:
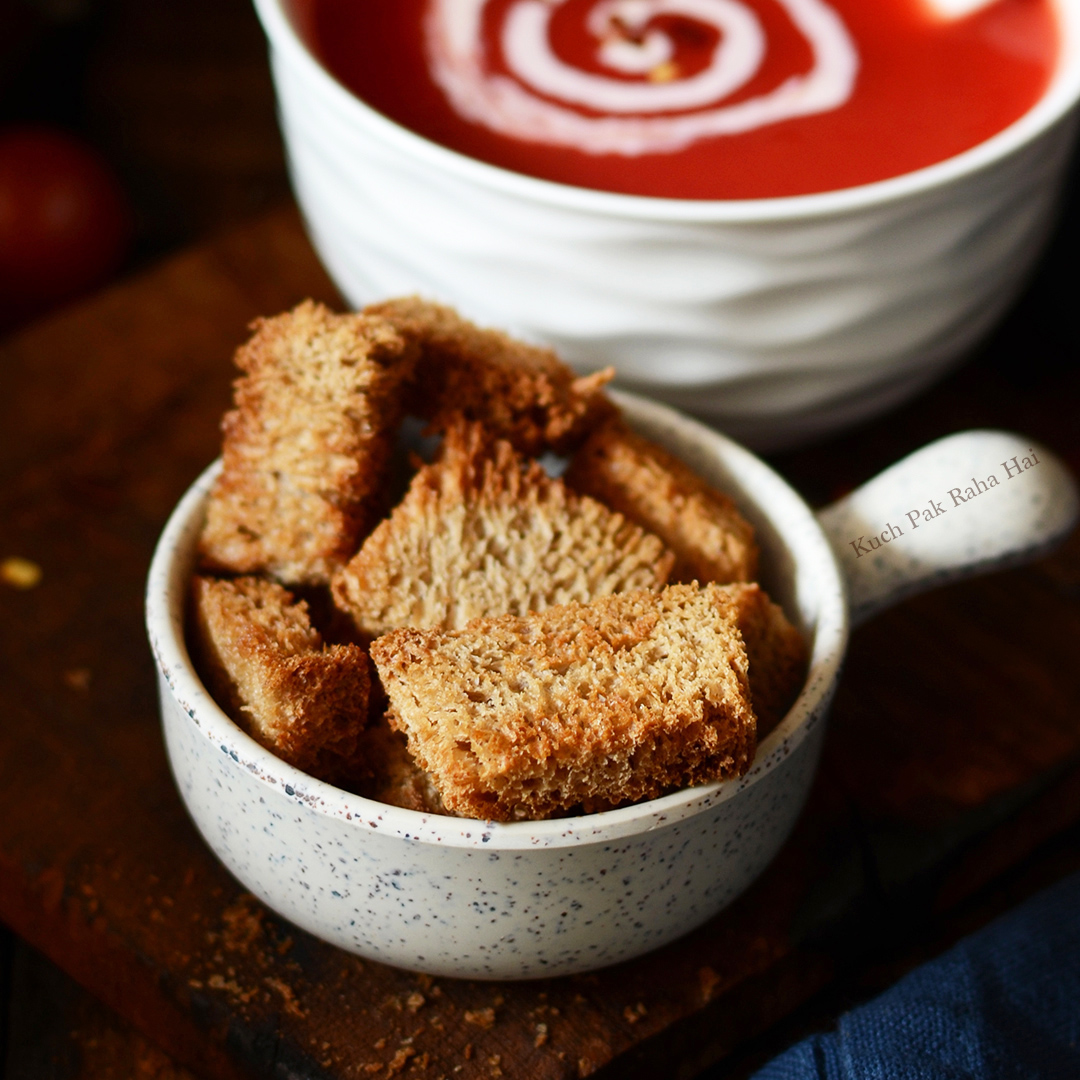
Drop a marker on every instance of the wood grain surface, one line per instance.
(952, 754)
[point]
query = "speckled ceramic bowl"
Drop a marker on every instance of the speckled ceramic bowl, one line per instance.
(479, 899)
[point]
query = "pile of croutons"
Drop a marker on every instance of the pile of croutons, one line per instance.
(498, 641)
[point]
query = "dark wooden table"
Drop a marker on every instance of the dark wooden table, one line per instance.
(952, 766)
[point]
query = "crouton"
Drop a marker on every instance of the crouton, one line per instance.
(523, 393)
(307, 446)
(712, 541)
(387, 773)
(483, 531)
(609, 702)
(775, 650)
(267, 666)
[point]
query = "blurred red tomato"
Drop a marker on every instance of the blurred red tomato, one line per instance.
(65, 223)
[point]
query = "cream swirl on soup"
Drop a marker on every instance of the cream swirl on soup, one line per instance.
(694, 99)
(639, 101)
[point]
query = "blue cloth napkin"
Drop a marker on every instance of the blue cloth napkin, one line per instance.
(1003, 1004)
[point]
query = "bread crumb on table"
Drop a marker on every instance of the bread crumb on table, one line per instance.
(78, 679)
(20, 573)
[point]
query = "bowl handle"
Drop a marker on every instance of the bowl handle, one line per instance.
(968, 503)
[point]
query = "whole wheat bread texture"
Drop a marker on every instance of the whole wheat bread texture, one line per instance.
(307, 446)
(617, 700)
(386, 772)
(268, 668)
(521, 392)
(712, 541)
(775, 651)
(485, 531)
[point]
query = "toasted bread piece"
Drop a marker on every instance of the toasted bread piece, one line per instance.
(602, 703)
(307, 446)
(388, 774)
(268, 668)
(483, 531)
(712, 541)
(523, 393)
(776, 652)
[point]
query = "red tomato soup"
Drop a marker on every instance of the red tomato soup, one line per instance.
(694, 99)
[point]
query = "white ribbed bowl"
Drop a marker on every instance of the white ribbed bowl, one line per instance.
(778, 319)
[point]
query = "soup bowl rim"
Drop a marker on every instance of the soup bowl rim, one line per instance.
(1058, 99)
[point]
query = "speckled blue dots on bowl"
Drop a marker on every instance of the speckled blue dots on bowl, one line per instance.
(479, 899)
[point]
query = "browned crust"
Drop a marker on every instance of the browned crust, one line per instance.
(484, 531)
(387, 773)
(712, 541)
(515, 702)
(268, 668)
(775, 649)
(521, 392)
(307, 446)
(602, 703)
